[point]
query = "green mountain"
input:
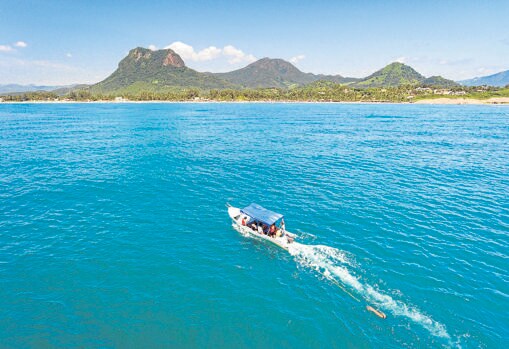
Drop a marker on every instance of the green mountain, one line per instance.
(395, 74)
(143, 70)
(438, 81)
(146, 70)
(398, 74)
(268, 72)
(162, 70)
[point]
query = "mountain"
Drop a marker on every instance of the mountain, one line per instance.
(395, 74)
(15, 88)
(438, 81)
(146, 70)
(399, 74)
(500, 79)
(268, 72)
(161, 70)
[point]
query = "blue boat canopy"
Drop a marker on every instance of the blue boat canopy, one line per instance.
(261, 214)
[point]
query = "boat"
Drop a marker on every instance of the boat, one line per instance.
(256, 221)
(246, 219)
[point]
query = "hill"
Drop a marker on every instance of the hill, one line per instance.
(438, 81)
(164, 71)
(146, 70)
(399, 74)
(394, 74)
(268, 72)
(500, 79)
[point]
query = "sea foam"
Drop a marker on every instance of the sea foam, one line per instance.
(333, 265)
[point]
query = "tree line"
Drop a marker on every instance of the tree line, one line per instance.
(316, 92)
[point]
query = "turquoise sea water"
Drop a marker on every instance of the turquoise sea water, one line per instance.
(114, 230)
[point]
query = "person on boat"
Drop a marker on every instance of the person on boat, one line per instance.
(244, 221)
(260, 229)
(283, 226)
(254, 226)
(272, 231)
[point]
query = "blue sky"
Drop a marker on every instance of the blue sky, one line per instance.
(63, 42)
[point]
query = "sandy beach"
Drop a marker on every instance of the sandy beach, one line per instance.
(494, 100)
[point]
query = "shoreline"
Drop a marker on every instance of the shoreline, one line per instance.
(431, 101)
(464, 101)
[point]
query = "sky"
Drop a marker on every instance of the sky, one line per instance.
(57, 42)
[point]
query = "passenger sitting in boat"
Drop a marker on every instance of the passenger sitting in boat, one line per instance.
(254, 226)
(244, 221)
(272, 231)
(260, 229)
(265, 229)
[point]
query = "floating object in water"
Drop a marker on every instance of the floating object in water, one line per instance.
(378, 313)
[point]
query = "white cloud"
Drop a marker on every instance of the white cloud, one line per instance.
(9, 48)
(297, 59)
(152, 47)
(188, 52)
(6, 48)
(68, 54)
(185, 51)
(236, 56)
(233, 54)
(209, 53)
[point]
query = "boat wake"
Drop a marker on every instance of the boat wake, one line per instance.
(333, 264)
(303, 236)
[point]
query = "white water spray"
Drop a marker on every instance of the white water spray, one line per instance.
(332, 264)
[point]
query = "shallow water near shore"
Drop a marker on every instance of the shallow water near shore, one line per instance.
(114, 230)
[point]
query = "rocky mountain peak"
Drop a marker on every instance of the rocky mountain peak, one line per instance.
(173, 59)
(166, 58)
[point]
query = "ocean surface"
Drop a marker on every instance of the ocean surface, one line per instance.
(114, 231)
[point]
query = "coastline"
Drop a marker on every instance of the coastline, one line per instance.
(462, 101)
(197, 102)
(431, 101)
